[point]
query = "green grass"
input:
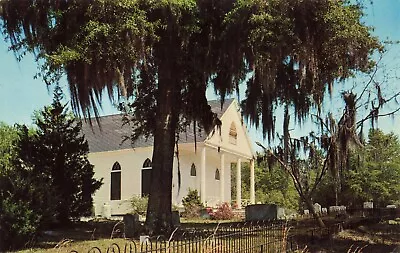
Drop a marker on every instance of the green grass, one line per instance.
(79, 246)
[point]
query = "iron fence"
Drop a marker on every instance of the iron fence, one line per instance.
(247, 237)
(233, 237)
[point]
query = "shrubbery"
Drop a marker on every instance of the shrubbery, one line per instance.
(45, 175)
(223, 212)
(139, 204)
(192, 204)
(18, 224)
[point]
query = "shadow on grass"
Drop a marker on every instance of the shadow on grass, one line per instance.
(340, 245)
(79, 231)
(372, 238)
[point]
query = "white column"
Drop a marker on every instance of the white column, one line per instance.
(239, 183)
(203, 176)
(222, 178)
(252, 184)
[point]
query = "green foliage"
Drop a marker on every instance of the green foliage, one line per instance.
(373, 174)
(272, 185)
(325, 195)
(192, 204)
(18, 223)
(139, 204)
(56, 156)
(293, 48)
(223, 212)
(375, 171)
(8, 138)
(45, 176)
(18, 220)
(164, 55)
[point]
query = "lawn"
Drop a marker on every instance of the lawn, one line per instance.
(375, 237)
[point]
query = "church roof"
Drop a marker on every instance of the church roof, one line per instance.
(112, 133)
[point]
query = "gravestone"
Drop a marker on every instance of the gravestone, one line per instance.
(132, 224)
(106, 211)
(317, 208)
(306, 212)
(368, 205)
(334, 209)
(175, 219)
(391, 206)
(144, 239)
(324, 210)
(264, 212)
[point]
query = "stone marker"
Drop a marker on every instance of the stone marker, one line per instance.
(264, 212)
(324, 210)
(368, 205)
(106, 211)
(317, 208)
(334, 209)
(144, 239)
(306, 212)
(132, 224)
(175, 219)
(391, 206)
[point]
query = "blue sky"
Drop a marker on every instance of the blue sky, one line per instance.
(21, 94)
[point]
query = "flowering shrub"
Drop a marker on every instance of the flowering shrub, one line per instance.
(209, 210)
(223, 212)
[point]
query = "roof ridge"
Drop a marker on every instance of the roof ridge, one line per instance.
(227, 102)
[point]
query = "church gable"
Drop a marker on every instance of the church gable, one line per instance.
(233, 136)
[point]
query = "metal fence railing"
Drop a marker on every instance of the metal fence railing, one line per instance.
(247, 237)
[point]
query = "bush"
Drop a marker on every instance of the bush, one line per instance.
(192, 204)
(139, 204)
(18, 224)
(223, 212)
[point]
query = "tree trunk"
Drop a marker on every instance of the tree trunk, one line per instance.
(159, 213)
(311, 208)
(336, 182)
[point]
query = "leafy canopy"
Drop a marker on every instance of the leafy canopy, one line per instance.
(375, 170)
(292, 49)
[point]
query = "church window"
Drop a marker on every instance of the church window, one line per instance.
(193, 170)
(217, 175)
(116, 181)
(146, 177)
(147, 163)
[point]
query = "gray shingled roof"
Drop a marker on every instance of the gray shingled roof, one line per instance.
(112, 132)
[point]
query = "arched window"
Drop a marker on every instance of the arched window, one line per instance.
(146, 177)
(116, 182)
(217, 176)
(232, 134)
(147, 163)
(193, 170)
(116, 166)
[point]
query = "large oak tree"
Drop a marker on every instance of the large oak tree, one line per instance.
(163, 54)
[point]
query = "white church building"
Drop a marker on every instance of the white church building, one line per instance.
(126, 167)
